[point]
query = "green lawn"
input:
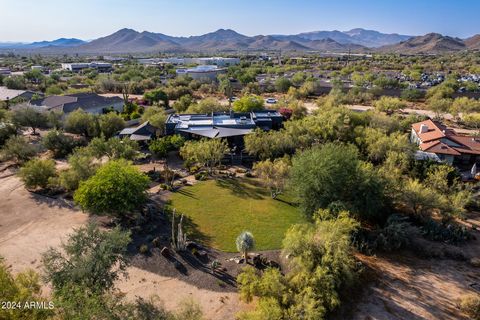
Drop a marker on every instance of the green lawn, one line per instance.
(218, 210)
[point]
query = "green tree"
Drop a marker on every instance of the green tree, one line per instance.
(55, 119)
(273, 174)
(81, 122)
(419, 198)
(91, 259)
(113, 148)
(22, 287)
(206, 152)
(29, 117)
(37, 173)
(116, 189)
(248, 103)
(59, 143)
(333, 173)
(161, 147)
(15, 82)
(207, 105)
(156, 96)
(378, 144)
(282, 84)
(412, 95)
(439, 105)
(156, 116)
(388, 104)
(182, 104)
(321, 265)
(110, 124)
(81, 167)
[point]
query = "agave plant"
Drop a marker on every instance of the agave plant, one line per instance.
(245, 243)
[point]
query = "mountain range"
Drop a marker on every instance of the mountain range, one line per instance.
(222, 40)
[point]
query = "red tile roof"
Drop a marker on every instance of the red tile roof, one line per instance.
(431, 141)
(439, 147)
(435, 130)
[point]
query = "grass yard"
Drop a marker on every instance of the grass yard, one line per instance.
(219, 210)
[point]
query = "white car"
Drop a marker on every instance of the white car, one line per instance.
(271, 100)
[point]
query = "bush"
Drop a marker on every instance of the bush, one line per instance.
(37, 172)
(18, 149)
(81, 168)
(60, 144)
(116, 189)
(450, 232)
(201, 176)
(471, 306)
(143, 249)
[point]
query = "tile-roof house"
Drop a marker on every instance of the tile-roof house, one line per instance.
(450, 147)
(90, 102)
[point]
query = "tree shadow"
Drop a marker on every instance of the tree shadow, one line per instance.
(186, 192)
(191, 229)
(243, 188)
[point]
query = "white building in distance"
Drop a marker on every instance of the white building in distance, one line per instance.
(202, 72)
(79, 66)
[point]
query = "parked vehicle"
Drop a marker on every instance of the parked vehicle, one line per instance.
(271, 100)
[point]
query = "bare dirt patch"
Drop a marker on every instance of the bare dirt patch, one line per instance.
(30, 223)
(404, 285)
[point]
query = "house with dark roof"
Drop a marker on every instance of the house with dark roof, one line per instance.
(435, 138)
(89, 102)
(143, 132)
(12, 95)
(231, 126)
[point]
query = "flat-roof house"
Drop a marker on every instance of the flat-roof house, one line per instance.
(435, 138)
(89, 102)
(202, 72)
(77, 67)
(224, 125)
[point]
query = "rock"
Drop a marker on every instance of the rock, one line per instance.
(202, 254)
(193, 245)
(238, 260)
(177, 265)
(475, 262)
(166, 252)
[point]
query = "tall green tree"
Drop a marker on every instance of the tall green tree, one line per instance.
(81, 122)
(333, 173)
(206, 152)
(110, 124)
(248, 103)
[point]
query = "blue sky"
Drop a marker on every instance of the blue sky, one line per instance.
(32, 20)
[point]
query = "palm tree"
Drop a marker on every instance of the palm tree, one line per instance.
(245, 243)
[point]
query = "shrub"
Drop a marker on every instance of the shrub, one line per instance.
(116, 188)
(143, 249)
(18, 149)
(201, 176)
(471, 306)
(36, 173)
(59, 143)
(156, 242)
(449, 232)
